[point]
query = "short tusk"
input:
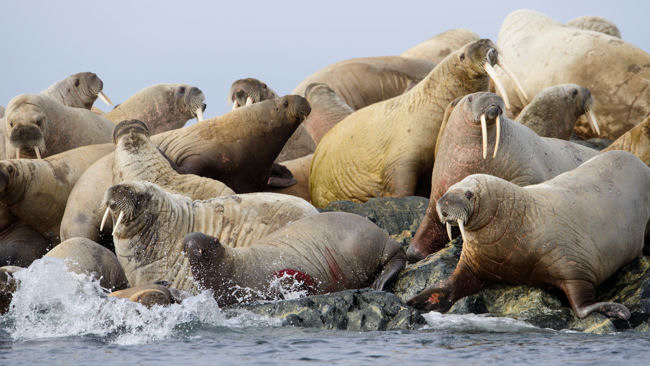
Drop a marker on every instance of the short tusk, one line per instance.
(235, 105)
(591, 118)
(461, 225)
(449, 231)
(496, 144)
(249, 101)
(493, 75)
(199, 114)
(104, 98)
(520, 90)
(18, 154)
(38, 152)
(119, 220)
(484, 134)
(101, 227)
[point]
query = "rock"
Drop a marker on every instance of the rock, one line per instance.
(400, 217)
(594, 143)
(630, 286)
(353, 310)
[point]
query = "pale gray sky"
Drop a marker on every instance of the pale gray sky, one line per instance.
(133, 44)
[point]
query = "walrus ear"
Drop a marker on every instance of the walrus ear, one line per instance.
(281, 177)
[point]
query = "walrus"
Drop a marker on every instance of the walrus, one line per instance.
(635, 141)
(299, 169)
(38, 126)
(79, 90)
(36, 191)
(328, 252)
(555, 110)
(387, 149)
(84, 256)
(20, 245)
(476, 125)
(557, 234)
(8, 286)
(615, 72)
(244, 92)
(596, 24)
(162, 107)
(150, 223)
(435, 49)
(158, 293)
(237, 149)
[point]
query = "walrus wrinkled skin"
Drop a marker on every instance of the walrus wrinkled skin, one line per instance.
(237, 149)
(596, 24)
(635, 141)
(39, 126)
(36, 191)
(149, 226)
(387, 149)
(615, 72)
(20, 245)
(162, 107)
(244, 92)
(439, 46)
(522, 158)
(328, 252)
(364, 81)
(158, 293)
(84, 256)
(555, 111)
(78, 90)
(570, 233)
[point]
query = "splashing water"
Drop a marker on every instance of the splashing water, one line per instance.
(52, 302)
(477, 323)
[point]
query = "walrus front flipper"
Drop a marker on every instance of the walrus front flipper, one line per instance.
(582, 295)
(281, 177)
(392, 267)
(440, 297)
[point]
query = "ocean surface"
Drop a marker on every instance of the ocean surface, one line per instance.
(61, 318)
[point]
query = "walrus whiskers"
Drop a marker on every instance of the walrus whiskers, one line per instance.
(493, 75)
(104, 98)
(520, 90)
(496, 144)
(484, 135)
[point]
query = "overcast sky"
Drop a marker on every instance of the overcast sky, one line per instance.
(134, 44)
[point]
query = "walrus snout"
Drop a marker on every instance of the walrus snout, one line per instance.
(127, 126)
(26, 136)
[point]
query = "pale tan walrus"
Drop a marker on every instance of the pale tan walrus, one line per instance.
(79, 90)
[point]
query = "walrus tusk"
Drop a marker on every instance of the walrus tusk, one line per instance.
(104, 98)
(461, 225)
(199, 114)
(38, 152)
(520, 90)
(449, 231)
(484, 134)
(496, 144)
(234, 104)
(493, 75)
(591, 117)
(119, 220)
(18, 154)
(249, 101)
(101, 226)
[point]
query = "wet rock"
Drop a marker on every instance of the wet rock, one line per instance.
(354, 310)
(630, 286)
(400, 217)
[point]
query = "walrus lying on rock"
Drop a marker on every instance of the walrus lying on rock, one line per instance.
(78, 90)
(244, 92)
(571, 232)
(517, 154)
(150, 223)
(328, 252)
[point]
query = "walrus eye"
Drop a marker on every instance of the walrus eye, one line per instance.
(285, 103)
(10, 169)
(76, 82)
(39, 122)
(181, 90)
(574, 93)
(263, 86)
(11, 124)
(462, 57)
(469, 195)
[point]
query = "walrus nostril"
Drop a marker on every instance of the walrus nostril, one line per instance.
(492, 56)
(492, 112)
(469, 98)
(240, 94)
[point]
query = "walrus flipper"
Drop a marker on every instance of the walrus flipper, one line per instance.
(281, 177)
(391, 268)
(440, 297)
(582, 296)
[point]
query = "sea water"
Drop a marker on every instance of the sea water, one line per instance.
(62, 318)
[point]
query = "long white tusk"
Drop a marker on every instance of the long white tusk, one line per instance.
(38, 152)
(234, 104)
(493, 75)
(249, 101)
(101, 226)
(104, 98)
(199, 114)
(449, 231)
(119, 220)
(591, 117)
(461, 225)
(484, 134)
(520, 90)
(496, 144)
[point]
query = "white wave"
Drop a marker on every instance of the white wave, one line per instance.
(477, 323)
(52, 302)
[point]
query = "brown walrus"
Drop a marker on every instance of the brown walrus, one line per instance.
(636, 141)
(517, 154)
(328, 252)
(439, 46)
(39, 126)
(387, 149)
(37, 191)
(78, 90)
(555, 110)
(596, 24)
(237, 149)
(244, 92)
(162, 107)
(150, 223)
(571, 232)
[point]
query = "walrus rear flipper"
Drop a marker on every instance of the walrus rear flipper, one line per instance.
(441, 296)
(391, 268)
(281, 177)
(582, 296)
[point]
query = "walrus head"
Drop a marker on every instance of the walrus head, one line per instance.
(190, 100)
(244, 92)
(483, 109)
(584, 103)
(10, 191)
(201, 250)
(131, 127)
(132, 206)
(26, 125)
(456, 206)
(89, 85)
(296, 107)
